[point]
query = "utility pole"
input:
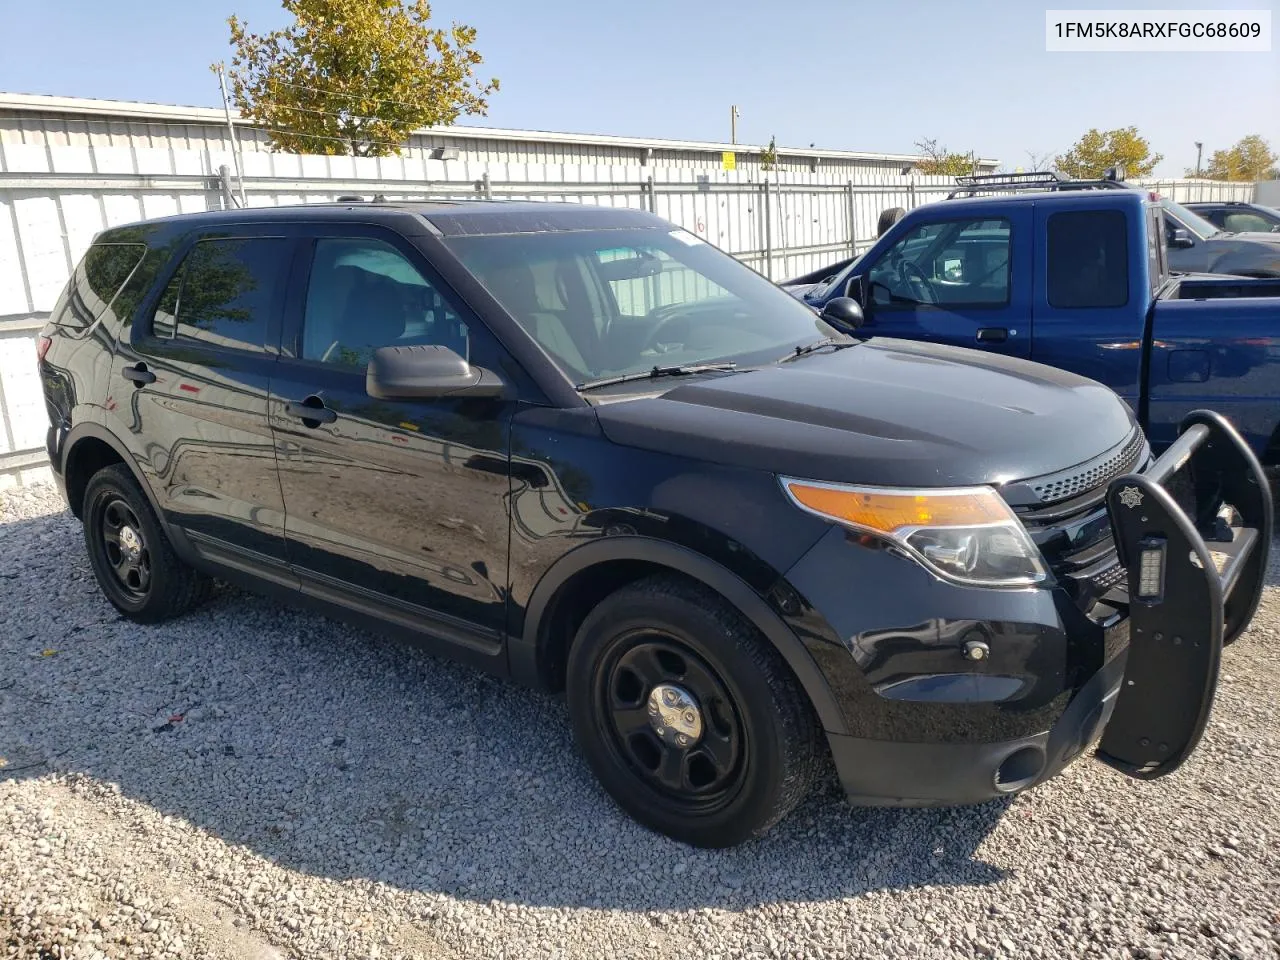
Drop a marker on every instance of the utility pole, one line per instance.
(1199, 150)
(733, 123)
(235, 138)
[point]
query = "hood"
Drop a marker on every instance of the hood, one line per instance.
(798, 290)
(887, 412)
(1257, 236)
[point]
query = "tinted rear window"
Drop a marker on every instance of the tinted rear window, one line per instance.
(96, 282)
(224, 293)
(1088, 259)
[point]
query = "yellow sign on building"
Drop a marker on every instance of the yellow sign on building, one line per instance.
(730, 160)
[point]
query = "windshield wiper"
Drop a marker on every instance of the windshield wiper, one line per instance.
(809, 348)
(676, 370)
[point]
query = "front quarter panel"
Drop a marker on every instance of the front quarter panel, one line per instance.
(890, 637)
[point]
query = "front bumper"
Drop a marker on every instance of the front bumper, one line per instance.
(926, 727)
(883, 773)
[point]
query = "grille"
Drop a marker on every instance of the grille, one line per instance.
(1070, 525)
(1082, 479)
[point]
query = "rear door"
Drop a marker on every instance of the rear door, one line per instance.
(1092, 287)
(190, 384)
(395, 507)
(961, 280)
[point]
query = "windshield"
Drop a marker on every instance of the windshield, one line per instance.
(605, 303)
(1197, 224)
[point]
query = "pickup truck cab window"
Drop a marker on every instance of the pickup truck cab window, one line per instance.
(1088, 259)
(952, 263)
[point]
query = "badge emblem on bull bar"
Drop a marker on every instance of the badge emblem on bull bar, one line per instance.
(1131, 497)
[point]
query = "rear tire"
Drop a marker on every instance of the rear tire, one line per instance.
(690, 719)
(131, 556)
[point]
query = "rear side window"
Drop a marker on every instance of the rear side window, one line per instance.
(96, 282)
(1088, 259)
(224, 293)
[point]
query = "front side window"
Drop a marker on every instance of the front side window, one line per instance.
(1249, 223)
(1176, 215)
(224, 292)
(953, 263)
(364, 294)
(604, 303)
(1088, 259)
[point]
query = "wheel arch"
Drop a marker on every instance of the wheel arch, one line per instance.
(591, 571)
(87, 449)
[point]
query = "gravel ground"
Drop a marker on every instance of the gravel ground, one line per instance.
(251, 782)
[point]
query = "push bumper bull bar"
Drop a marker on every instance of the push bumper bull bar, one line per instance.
(1195, 570)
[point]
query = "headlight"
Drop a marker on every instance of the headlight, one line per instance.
(964, 534)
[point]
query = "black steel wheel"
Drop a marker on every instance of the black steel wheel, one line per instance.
(689, 717)
(126, 548)
(131, 556)
(672, 718)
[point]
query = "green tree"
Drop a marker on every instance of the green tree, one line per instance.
(1091, 155)
(940, 160)
(1250, 159)
(354, 76)
(769, 155)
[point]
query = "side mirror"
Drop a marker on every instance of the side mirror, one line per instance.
(424, 372)
(1181, 237)
(843, 313)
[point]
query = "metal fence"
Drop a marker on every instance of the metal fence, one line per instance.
(790, 224)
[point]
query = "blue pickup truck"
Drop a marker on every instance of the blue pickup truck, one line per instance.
(1074, 275)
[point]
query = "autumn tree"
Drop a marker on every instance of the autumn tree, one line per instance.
(1091, 155)
(1250, 159)
(354, 76)
(940, 160)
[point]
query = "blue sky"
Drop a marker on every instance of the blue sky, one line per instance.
(844, 74)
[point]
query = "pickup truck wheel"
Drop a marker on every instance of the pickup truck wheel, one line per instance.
(131, 557)
(690, 719)
(888, 218)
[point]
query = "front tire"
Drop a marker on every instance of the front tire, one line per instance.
(690, 719)
(131, 556)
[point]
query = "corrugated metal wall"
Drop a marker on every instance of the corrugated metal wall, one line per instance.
(55, 196)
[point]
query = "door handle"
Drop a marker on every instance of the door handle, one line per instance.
(311, 411)
(992, 335)
(139, 374)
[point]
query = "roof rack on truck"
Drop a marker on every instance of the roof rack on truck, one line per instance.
(971, 186)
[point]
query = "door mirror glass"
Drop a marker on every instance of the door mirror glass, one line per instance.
(1181, 237)
(427, 371)
(843, 313)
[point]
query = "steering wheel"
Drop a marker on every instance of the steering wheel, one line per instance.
(913, 275)
(652, 340)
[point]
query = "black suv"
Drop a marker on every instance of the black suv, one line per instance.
(583, 448)
(1238, 217)
(1197, 245)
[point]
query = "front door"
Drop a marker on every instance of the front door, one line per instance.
(961, 281)
(394, 507)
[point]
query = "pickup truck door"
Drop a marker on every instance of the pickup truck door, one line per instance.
(959, 277)
(1092, 290)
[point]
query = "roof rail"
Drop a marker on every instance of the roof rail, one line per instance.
(971, 186)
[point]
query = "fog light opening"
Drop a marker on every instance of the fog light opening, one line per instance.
(1019, 769)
